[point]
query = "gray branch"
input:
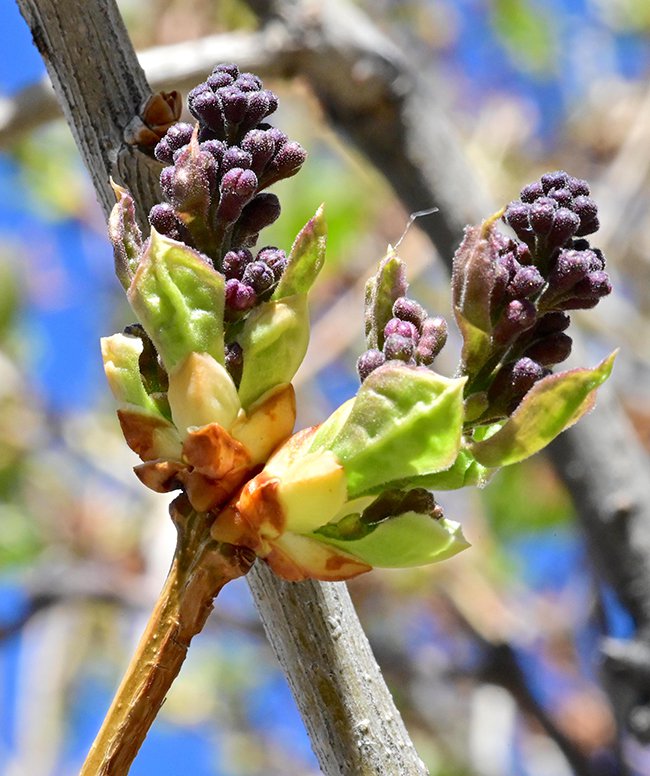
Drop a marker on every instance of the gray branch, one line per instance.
(101, 86)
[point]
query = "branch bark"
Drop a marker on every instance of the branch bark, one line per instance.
(97, 77)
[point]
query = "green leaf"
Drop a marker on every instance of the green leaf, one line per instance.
(179, 299)
(410, 539)
(274, 341)
(330, 428)
(527, 32)
(405, 422)
(382, 289)
(306, 258)
(551, 406)
(464, 472)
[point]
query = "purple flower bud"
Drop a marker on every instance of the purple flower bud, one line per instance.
(275, 258)
(552, 323)
(165, 221)
(542, 216)
(586, 209)
(398, 348)
(216, 148)
(263, 210)
(163, 152)
(227, 67)
(526, 283)
(234, 357)
(596, 284)
(257, 109)
(523, 254)
(403, 328)
(588, 226)
(259, 144)
(578, 187)
(248, 82)
(517, 216)
(570, 267)
(286, 162)
(531, 192)
(259, 277)
(552, 349)
(518, 316)
(194, 93)
(206, 107)
(579, 303)
(563, 197)
(235, 157)
(179, 135)
(237, 189)
(554, 180)
(368, 362)
(502, 276)
(432, 340)
(409, 310)
(513, 381)
(234, 104)
(277, 136)
(234, 263)
(189, 184)
(219, 79)
(565, 225)
(239, 297)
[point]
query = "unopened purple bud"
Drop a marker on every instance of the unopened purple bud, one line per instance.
(531, 192)
(179, 135)
(500, 283)
(596, 284)
(552, 323)
(526, 283)
(234, 104)
(368, 362)
(398, 348)
(237, 189)
(287, 161)
(578, 187)
(579, 303)
(518, 316)
(216, 148)
(234, 263)
(239, 297)
(409, 310)
(259, 276)
(542, 216)
(257, 109)
(571, 267)
(227, 67)
(565, 224)
(523, 254)
(163, 152)
(432, 340)
(259, 144)
(235, 157)
(563, 197)
(517, 216)
(194, 93)
(554, 180)
(275, 258)
(164, 220)
(403, 328)
(263, 210)
(206, 107)
(587, 211)
(219, 79)
(248, 82)
(550, 350)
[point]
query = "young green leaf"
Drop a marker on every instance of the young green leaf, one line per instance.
(306, 258)
(179, 299)
(551, 406)
(124, 233)
(382, 289)
(405, 422)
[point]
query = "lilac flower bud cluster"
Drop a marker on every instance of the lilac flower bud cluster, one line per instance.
(251, 280)
(548, 269)
(410, 336)
(218, 170)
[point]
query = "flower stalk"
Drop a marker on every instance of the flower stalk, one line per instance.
(200, 568)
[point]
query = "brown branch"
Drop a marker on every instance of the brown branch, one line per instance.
(201, 567)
